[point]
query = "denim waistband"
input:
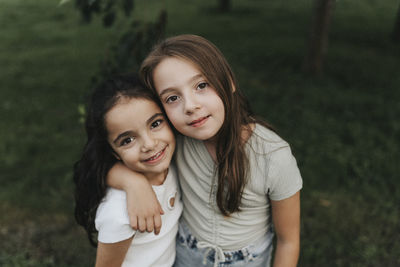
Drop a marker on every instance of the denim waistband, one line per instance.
(219, 255)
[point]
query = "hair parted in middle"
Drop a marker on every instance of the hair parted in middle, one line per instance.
(232, 161)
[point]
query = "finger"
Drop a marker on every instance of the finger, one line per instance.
(157, 224)
(141, 224)
(133, 221)
(149, 224)
(161, 210)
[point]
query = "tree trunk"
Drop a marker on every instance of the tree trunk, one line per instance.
(396, 30)
(224, 5)
(318, 43)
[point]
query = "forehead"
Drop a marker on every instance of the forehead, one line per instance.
(173, 64)
(130, 111)
(174, 69)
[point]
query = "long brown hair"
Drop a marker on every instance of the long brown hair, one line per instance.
(232, 160)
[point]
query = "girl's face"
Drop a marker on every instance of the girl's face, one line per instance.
(191, 104)
(141, 137)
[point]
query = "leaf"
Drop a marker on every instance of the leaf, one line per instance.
(62, 2)
(109, 19)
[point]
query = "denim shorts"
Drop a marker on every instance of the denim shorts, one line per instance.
(190, 252)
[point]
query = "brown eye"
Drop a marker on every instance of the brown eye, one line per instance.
(126, 141)
(156, 123)
(171, 99)
(202, 85)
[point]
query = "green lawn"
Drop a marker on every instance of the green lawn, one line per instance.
(343, 126)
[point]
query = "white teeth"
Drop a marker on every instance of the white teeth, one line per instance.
(155, 156)
(158, 154)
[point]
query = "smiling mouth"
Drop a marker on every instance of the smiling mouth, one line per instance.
(156, 157)
(199, 122)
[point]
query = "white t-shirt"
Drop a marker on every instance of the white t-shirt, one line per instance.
(147, 249)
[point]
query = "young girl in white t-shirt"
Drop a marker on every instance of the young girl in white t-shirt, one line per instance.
(125, 124)
(240, 182)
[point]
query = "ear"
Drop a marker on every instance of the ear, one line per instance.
(116, 155)
(233, 86)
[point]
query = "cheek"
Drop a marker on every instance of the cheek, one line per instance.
(122, 156)
(167, 134)
(219, 107)
(172, 141)
(173, 116)
(215, 101)
(129, 155)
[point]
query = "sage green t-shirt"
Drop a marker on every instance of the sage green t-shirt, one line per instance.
(273, 174)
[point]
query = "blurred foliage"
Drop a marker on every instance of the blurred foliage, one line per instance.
(396, 28)
(129, 51)
(106, 8)
(224, 5)
(126, 54)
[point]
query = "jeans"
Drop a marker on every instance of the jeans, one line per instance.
(190, 252)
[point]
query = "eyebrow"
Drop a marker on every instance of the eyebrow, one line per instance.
(120, 136)
(126, 133)
(169, 89)
(154, 116)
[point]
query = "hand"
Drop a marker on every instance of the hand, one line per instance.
(144, 210)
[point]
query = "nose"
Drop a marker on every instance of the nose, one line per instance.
(148, 143)
(191, 104)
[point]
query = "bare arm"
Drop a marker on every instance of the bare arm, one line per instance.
(143, 207)
(113, 254)
(286, 218)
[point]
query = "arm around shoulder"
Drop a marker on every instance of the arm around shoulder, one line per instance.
(143, 207)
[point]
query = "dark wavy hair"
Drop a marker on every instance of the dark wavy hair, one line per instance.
(97, 158)
(232, 160)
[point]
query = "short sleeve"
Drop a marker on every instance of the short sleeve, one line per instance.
(112, 220)
(284, 178)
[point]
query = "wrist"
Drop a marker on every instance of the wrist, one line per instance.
(135, 181)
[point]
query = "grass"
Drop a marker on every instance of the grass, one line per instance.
(343, 126)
